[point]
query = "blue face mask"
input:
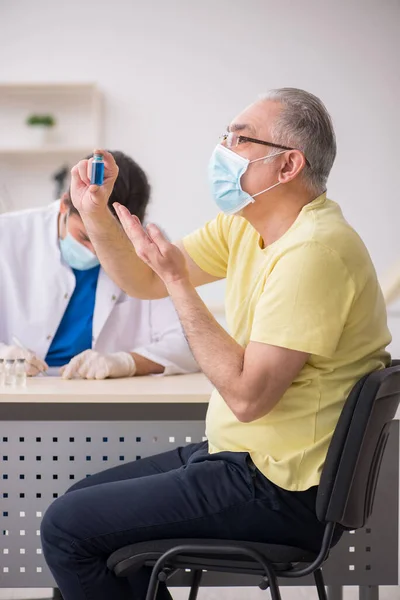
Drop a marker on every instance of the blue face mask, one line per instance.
(224, 172)
(76, 255)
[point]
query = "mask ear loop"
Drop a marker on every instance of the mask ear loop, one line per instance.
(266, 190)
(266, 158)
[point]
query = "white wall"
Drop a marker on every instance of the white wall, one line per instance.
(174, 72)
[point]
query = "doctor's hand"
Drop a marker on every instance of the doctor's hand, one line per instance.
(87, 198)
(153, 248)
(33, 364)
(94, 365)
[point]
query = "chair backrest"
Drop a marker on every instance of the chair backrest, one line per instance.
(350, 474)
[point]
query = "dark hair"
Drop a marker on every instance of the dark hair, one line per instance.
(131, 188)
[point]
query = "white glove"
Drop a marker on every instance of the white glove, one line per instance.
(33, 364)
(94, 365)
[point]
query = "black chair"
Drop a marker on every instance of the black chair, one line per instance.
(344, 500)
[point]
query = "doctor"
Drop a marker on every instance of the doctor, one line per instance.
(57, 301)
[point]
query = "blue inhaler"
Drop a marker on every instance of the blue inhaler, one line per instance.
(97, 170)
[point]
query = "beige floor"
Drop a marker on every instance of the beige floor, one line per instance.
(386, 593)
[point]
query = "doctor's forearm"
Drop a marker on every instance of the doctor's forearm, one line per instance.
(119, 259)
(144, 366)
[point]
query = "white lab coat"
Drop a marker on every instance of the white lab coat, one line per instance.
(36, 285)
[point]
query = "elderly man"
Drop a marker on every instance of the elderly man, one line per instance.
(307, 320)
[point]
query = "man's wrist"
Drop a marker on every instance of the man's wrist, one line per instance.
(179, 287)
(97, 221)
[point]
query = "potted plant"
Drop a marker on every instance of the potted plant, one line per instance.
(41, 126)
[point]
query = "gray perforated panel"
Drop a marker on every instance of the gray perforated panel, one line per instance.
(39, 461)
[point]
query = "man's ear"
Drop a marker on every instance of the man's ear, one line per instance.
(293, 165)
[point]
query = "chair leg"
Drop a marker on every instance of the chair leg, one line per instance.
(320, 585)
(274, 588)
(194, 590)
(153, 585)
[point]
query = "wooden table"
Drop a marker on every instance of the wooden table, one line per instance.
(178, 389)
(52, 398)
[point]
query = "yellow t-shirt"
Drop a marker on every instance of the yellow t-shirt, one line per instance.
(314, 290)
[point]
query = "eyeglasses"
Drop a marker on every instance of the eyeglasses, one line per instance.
(232, 139)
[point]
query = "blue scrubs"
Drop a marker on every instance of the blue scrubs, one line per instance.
(74, 334)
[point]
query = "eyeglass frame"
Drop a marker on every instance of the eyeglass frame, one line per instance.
(244, 138)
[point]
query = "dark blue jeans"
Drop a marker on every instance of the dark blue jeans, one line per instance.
(183, 493)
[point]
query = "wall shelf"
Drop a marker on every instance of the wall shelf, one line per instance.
(42, 150)
(35, 87)
(28, 163)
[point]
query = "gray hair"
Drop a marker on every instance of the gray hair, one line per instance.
(305, 124)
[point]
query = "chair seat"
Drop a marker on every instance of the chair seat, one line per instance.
(129, 559)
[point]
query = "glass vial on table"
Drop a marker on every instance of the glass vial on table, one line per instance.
(20, 373)
(9, 372)
(97, 177)
(1, 372)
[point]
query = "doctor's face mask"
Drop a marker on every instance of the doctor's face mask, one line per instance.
(75, 253)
